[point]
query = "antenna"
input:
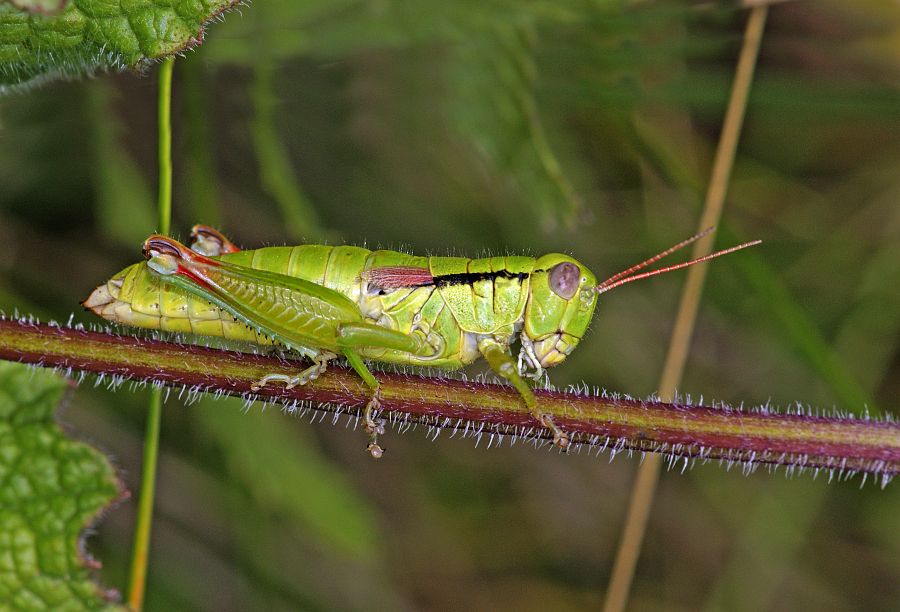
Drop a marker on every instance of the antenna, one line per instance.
(626, 276)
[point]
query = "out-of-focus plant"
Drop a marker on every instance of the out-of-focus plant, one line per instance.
(527, 127)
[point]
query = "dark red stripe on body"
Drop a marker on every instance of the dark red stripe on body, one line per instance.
(398, 277)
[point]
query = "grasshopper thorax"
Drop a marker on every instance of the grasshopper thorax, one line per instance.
(561, 302)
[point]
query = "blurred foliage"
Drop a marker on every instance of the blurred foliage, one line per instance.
(473, 127)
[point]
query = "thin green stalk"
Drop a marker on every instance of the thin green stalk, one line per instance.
(164, 128)
(648, 473)
(141, 547)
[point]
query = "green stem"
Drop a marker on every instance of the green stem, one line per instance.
(165, 146)
(141, 548)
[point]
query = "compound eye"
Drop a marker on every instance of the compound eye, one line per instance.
(564, 280)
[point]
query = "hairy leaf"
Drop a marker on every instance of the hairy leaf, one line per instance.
(52, 488)
(91, 35)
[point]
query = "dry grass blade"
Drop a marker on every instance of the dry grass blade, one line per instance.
(648, 473)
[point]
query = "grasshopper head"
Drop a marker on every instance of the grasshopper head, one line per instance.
(561, 302)
(564, 293)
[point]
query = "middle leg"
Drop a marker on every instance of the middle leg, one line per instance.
(320, 364)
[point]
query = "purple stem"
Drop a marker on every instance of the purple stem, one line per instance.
(842, 445)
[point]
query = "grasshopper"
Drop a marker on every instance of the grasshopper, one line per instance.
(387, 306)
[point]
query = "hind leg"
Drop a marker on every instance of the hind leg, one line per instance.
(374, 426)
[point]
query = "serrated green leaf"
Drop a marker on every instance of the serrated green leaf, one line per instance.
(92, 35)
(51, 488)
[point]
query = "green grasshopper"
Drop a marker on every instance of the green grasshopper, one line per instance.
(325, 301)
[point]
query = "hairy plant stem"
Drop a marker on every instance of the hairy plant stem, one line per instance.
(137, 583)
(842, 445)
(648, 473)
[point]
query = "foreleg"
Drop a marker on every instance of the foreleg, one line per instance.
(501, 362)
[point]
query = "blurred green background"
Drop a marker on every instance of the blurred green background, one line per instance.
(472, 128)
